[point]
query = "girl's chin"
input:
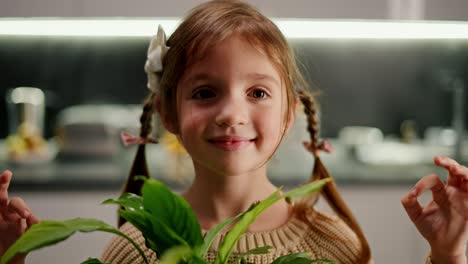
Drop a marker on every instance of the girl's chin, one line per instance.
(228, 170)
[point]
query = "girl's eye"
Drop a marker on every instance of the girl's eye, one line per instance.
(203, 94)
(259, 94)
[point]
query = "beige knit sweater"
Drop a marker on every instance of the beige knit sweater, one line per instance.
(325, 236)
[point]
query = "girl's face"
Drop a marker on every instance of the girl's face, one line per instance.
(230, 106)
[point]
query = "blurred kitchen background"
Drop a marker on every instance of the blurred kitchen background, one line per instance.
(388, 105)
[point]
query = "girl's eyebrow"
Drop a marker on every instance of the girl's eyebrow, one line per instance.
(251, 76)
(199, 77)
(261, 76)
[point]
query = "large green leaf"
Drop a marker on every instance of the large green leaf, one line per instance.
(172, 210)
(47, 233)
(134, 213)
(158, 236)
(140, 222)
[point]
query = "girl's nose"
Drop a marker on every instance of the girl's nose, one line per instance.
(232, 112)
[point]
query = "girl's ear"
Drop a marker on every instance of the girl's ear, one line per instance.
(166, 119)
(292, 114)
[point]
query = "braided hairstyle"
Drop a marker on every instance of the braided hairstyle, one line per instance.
(207, 25)
(139, 166)
(329, 191)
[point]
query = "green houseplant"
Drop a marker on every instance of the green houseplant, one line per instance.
(177, 242)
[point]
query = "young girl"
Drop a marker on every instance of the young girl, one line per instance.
(227, 85)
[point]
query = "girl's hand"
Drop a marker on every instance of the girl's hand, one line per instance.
(444, 220)
(15, 218)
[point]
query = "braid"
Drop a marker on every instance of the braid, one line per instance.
(329, 191)
(139, 166)
(312, 122)
(145, 118)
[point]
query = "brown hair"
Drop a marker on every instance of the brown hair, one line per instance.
(205, 26)
(329, 191)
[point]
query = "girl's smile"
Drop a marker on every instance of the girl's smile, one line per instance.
(231, 142)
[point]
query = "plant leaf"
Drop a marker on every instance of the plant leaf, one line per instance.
(255, 251)
(300, 261)
(254, 211)
(241, 226)
(259, 250)
(211, 235)
(299, 258)
(158, 236)
(290, 257)
(176, 254)
(139, 221)
(196, 260)
(128, 201)
(172, 211)
(47, 233)
(307, 189)
(93, 261)
(323, 261)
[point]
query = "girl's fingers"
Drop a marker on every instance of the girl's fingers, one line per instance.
(18, 206)
(458, 174)
(465, 185)
(20, 226)
(435, 184)
(5, 179)
(445, 162)
(10, 216)
(412, 206)
(458, 177)
(16, 209)
(31, 220)
(410, 201)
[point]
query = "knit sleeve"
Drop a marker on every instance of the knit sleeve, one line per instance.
(331, 238)
(120, 250)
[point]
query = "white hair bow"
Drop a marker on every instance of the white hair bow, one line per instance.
(156, 52)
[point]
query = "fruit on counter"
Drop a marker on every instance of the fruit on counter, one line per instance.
(26, 143)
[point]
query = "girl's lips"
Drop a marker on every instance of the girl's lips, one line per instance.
(230, 143)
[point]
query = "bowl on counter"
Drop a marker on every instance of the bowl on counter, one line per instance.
(391, 153)
(90, 131)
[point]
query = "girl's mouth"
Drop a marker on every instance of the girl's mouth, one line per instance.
(231, 143)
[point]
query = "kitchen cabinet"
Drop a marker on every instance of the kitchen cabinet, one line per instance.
(392, 237)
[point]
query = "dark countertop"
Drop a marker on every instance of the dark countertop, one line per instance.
(110, 173)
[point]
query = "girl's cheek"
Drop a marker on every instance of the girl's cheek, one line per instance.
(193, 118)
(273, 122)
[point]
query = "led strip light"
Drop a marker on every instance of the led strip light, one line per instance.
(320, 29)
